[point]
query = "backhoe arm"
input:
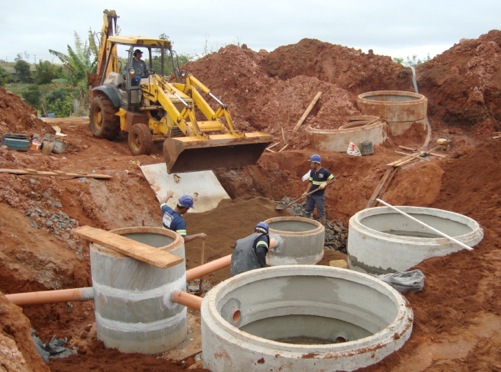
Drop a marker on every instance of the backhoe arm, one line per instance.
(159, 91)
(191, 87)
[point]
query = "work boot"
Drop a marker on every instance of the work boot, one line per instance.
(322, 220)
(309, 215)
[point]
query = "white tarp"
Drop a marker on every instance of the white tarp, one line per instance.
(203, 186)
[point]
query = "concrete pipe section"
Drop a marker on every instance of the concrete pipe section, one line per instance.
(381, 240)
(358, 130)
(302, 318)
(133, 309)
(400, 109)
(303, 241)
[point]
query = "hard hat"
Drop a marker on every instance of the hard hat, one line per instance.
(138, 51)
(315, 158)
(185, 201)
(262, 226)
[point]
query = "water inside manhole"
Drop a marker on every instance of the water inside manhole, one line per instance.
(418, 234)
(299, 340)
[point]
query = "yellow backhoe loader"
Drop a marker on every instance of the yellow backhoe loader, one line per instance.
(150, 108)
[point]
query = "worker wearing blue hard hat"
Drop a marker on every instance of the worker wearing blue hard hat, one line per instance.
(172, 218)
(250, 252)
(318, 180)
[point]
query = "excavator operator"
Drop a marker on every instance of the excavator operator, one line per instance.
(139, 66)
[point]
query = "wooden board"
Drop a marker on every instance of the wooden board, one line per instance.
(307, 111)
(381, 186)
(129, 247)
(54, 173)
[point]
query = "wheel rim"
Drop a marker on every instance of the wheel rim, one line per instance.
(98, 119)
(136, 141)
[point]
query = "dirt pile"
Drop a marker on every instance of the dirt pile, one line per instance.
(459, 306)
(18, 117)
(463, 83)
(270, 91)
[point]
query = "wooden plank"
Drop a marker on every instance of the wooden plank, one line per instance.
(306, 113)
(408, 148)
(435, 154)
(396, 162)
(54, 173)
(129, 247)
(283, 148)
(271, 146)
(384, 182)
(406, 161)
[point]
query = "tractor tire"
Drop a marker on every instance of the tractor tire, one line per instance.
(140, 141)
(103, 121)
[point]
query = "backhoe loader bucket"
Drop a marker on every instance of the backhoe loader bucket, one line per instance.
(189, 154)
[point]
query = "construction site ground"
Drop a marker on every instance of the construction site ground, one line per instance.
(457, 314)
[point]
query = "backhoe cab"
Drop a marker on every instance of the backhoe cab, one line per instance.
(149, 108)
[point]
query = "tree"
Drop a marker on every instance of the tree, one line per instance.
(32, 95)
(76, 64)
(23, 72)
(4, 77)
(45, 72)
(60, 101)
(411, 61)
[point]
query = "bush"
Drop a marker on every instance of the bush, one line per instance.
(32, 95)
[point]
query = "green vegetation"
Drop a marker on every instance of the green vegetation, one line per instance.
(61, 89)
(411, 61)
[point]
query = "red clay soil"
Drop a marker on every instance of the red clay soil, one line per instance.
(457, 314)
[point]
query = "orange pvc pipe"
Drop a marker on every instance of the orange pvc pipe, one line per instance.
(186, 299)
(208, 268)
(46, 297)
(87, 293)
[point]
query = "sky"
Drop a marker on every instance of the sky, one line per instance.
(394, 28)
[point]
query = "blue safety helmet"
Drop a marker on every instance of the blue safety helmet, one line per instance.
(263, 227)
(185, 201)
(315, 158)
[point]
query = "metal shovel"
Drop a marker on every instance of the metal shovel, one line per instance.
(281, 207)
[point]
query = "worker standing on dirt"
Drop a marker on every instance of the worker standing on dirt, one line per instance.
(250, 252)
(139, 66)
(172, 219)
(318, 180)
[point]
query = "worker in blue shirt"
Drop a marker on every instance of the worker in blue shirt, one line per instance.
(172, 219)
(318, 180)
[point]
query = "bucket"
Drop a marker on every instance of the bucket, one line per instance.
(367, 148)
(47, 146)
(36, 144)
(59, 146)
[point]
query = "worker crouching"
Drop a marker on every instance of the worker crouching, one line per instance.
(250, 252)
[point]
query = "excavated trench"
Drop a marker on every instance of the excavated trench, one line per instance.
(268, 318)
